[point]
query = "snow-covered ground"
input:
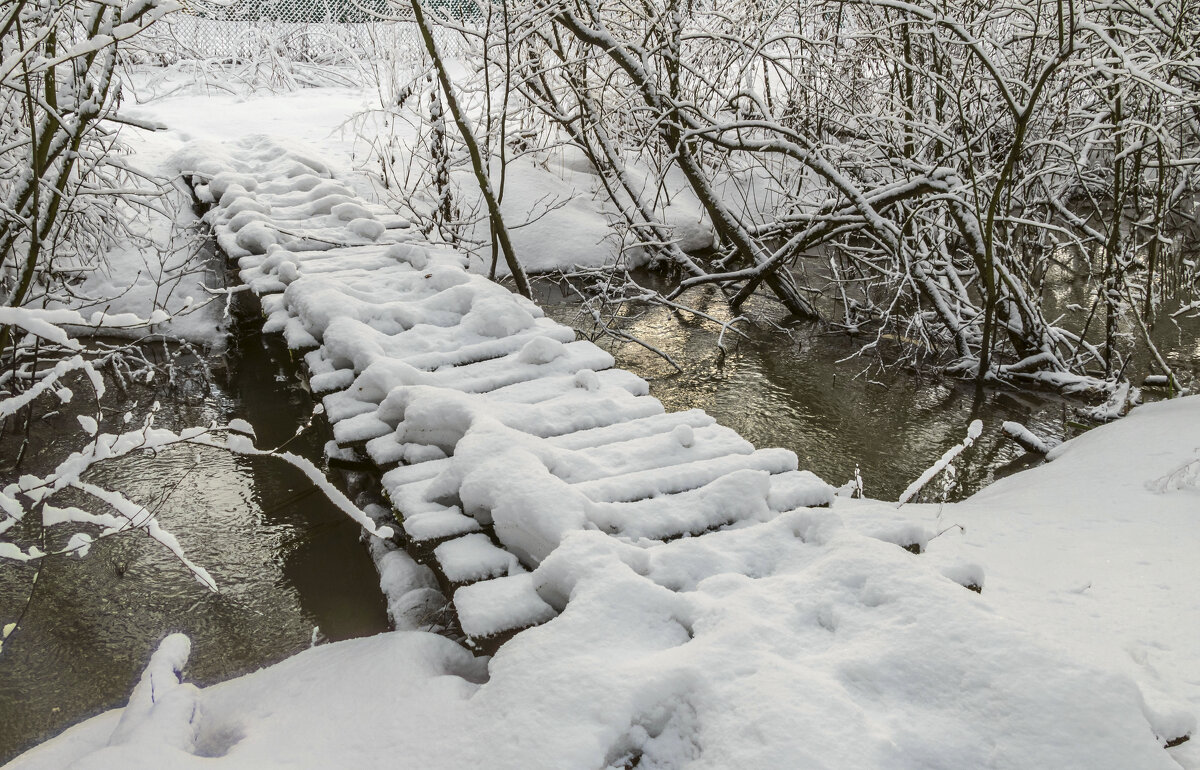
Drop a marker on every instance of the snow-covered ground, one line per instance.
(550, 199)
(802, 638)
(1099, 551)
(827, 649)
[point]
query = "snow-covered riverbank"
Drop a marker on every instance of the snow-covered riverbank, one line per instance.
(804, 639)
(1097, 550)
(829, 650)
(797, 638)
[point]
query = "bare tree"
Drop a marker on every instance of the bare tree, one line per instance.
(478, 162)
(920, 168)
(58, 177)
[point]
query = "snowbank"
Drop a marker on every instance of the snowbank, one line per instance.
(781, 636)
(796, 642)
(551, 201)
(1097, 550)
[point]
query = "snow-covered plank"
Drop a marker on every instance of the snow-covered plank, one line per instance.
(737, 496)
(662, 422)
(474, 557)
(683, 444)
(545, 388)
(432, 526)
(798, 489)
(492, 607)
(743, 495)
(680, 478)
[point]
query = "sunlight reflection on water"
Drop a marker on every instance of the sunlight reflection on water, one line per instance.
(788, 390)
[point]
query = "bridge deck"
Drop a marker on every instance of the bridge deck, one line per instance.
(496, 432)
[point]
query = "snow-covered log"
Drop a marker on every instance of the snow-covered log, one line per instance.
(1028, 440)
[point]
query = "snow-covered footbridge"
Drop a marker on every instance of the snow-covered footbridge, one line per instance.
(496, 431)
(666, 593)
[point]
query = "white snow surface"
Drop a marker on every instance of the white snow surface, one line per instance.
(693, 611)
(551, 201)
(1097, 550)
(791, 643)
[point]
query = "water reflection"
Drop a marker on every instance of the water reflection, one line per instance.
(788, 390)
(286, 560)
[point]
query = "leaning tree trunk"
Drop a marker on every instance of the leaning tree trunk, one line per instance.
(477, 161)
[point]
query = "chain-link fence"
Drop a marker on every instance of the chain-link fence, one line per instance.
(315, 31)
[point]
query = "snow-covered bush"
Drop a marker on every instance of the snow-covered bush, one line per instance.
(61, 180)
(925, 168)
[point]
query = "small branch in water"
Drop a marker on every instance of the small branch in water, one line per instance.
(973, 432)
(616, 287)
(1029, 441)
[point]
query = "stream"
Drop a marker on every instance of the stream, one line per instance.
(286, 560)
(802, 387)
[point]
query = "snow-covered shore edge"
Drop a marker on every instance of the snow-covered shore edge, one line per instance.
(409, 696)
(810, 640)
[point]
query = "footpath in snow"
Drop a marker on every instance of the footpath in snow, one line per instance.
(674, 596)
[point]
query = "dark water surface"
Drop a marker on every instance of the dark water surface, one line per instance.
(800, 387)
(285, 560)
